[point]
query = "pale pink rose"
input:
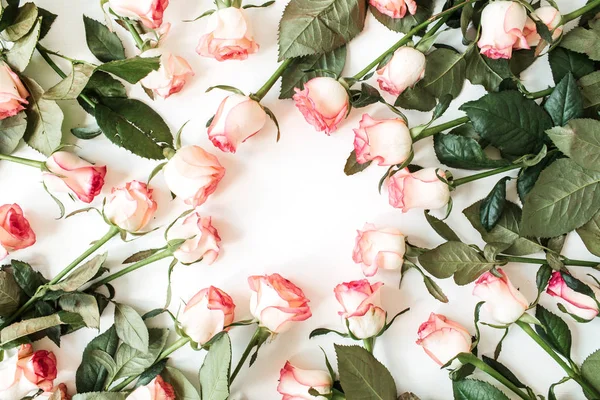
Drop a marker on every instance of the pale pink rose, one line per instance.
(276, 302)
(209, 312)
(157, 389)
(229, 36)
(294, 383)
(395, 8)
(69, 173)
(323, 102)
(404, 70)
(237, 120)
(550, 17)
(15, 231)
(193, 174)
(203, 242)
(443, 339)
(576, 303)
(38, 367)
(362, 307)
(12, 92)
(379, 248)
(172, 75)
(61, 389)
(502, 25)
(130, 207)
(387, 142)
(149, 12)
(421, 189)
(503, 301)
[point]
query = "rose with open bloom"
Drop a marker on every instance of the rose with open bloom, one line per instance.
(502, 29)
(37, 367)
(276, 302)
(395, 8)
(206, 314)
(547, 15)
(157, 389)
(576, 303)
(12, 92)
(203, 242)
(503, 301)
(229, 36)
(387, 142)
(149, 12)
(193, 174)
(130, 207)
(69, 173)
(443, 339)
(237, 120)
(172, 75)
(421, 189)
(404, 70)
(362, 307)
(323, 102)
(294, 383)
(379, 248)
(15, 231)
(61, 388)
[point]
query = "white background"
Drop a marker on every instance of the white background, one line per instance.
(282, 207)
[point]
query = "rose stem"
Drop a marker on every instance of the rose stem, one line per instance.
(134, 33)
(566, 261)
(24, 161)
(113, 231)
(570, 372)
(258, 338)
(579, 12)
(471, 178)
(260, 93)
(369, 343)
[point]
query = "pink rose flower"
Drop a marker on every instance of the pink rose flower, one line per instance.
(15, 231)
(502, 25)
(576, 303)
(443, 339)
(170, 77)
(149, 12)
(203, 244)
(276, 302)
(323, 102)
(362, 307)
(404, 70)
(421, 189)
(130, 207)
(12, 92)
(237, 120)
(38, 367)
(69, 173)
(503, 301)
(550, 17)
(294, 383)
(379, 248)
(387, 142)
(157, 389)
(193, 174)
(229, 37)
(206, 314)
(395, 8)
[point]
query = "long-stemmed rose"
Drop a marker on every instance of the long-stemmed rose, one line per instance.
(209, 312)
(157, 389)
(404, 70)
(503, 301)
(149, 12)
(323, 102)
(203, 242)
(295, 383)
(443, 339)
(38, 368)
(420, 189)
(172, 75)
(502, 26)
(379, 248)
(387, 142)
(579, 305)
(15, 230)
(13, 95)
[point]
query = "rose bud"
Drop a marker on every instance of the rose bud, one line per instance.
(149, 12)
(550, 17)
(69, 173)
(130, 207)
(294, 383)
(443, 339)
(421, 189)
(404, 70)
(379, 248)
(387, 142)
(395, 8)
(157, 389)
(203, 242)
(62, 393)
(193, 174)
(503, 301)
(362, 307)
(502, 24)
(12, 92)
(206, 314)
(170, 77)
(15, 231)
(237, 120)
(38, 367)
(229, 37)
(576, 303)
(323, 102)
(276, 302)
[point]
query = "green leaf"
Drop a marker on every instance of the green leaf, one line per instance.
(352, 166)
(529, 176)
(445, 73)
(12, 130)
(492, 206)
(416, 98)
(563, 62)
(130, 327)
(565, 102)
(316, 65)
(406, 23)
(151, 373)
(485, 71)
(9, 14)
(20, 54)
(132, 362)
(48, 19)
(100, 396)
(590, 235)
(184, 390)
(214, 374)
(25, 20)
(103, 43)
(542, 277)
(84, 305)
(362, 376)
(91, 375)
(131, 69)
(463, 152)
(580, 140)
(434, 289)
(106, 361)
(554, 331)
(81, 275)
(471, 389)
(44, 120)
(72, 86)
(27, 278)
(564, 198)
(441, 228)
(32, 325)
(103, 85)
(590, 369)
(319, 26)
(408, 396)
(86, 132)
(509, 121)
(10, 294)
(580, 40)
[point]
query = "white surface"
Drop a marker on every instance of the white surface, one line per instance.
(282, 207)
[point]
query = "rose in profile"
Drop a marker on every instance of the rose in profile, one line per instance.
(502, 29)
(387, 142)
(38, 367)
(148, 12)
(404, 70)
(323, 102)
(206, 314)
(203, 242)
(294, 383)
(443, 339)
(362, 307)
(395, 8)
(577, 304)
(503, 301)
(172, 75)
(130, 207)
(15, 231)
(420, 189)
(13, 94)
(157, 389)
(379, 248)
